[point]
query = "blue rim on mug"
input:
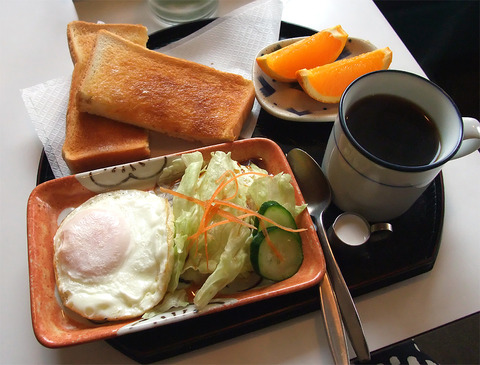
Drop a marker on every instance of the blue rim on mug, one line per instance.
(367, 154)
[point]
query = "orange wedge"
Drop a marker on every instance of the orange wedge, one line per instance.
(327, 83)
(319, 49)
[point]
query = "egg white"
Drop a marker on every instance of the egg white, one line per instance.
(113, 255)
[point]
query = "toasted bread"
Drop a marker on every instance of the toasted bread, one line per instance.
(180, 98)
(82, 37)
(92, 141)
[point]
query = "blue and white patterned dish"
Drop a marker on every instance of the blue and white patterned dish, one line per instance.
(288, 100)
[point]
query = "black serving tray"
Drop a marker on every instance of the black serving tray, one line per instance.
(409, 251)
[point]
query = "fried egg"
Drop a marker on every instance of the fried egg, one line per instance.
(113, 255)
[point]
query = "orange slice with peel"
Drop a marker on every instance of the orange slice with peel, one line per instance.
(319, 49)
(327, 83)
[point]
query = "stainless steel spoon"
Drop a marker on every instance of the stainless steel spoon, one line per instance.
(330, 311)
(316, 191)
(333, 322)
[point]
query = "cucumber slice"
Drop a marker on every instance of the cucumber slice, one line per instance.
(276, 212)
(266, 263)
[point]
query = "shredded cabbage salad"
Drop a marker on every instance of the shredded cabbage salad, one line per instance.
(211, 245)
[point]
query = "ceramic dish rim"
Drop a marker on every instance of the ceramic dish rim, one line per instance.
(42, 331)
(279, 112)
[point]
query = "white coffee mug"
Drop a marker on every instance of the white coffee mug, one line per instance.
(377, 189)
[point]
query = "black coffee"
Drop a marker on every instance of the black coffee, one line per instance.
(394, 130)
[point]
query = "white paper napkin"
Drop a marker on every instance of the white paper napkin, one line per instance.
(47, 107)
(229, 43)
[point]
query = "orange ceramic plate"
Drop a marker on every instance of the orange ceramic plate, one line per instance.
(55, 326)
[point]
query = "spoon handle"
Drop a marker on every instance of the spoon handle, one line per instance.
(333, 322)
(351, 320)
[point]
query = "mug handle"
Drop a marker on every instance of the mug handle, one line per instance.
(471, 137)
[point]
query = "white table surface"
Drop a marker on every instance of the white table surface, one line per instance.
(33, 49)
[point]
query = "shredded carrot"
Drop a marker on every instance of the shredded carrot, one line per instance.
(224, 175)
(234, 218)
(206, 247)
(222, 186)
(201, 229)
(258, 215)
(212, 208)
(220, 223)
(231, 205)
(269, 241)
(235, 178)
(207, 214)
(230, 218)
(183, 196)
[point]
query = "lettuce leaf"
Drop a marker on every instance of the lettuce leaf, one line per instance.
(231, 263)
(223, 253)
(187, 214)
(177, 299)
(279, 189)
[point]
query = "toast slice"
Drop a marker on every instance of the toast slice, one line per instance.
(82, 36)
(180, 98)
(92, 141)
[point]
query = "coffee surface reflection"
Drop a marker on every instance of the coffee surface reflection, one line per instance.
(394, 130)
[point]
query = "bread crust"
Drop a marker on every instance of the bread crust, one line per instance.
(92, 141)
(180, 98)
(82, 36)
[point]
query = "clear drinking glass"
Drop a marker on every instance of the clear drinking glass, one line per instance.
(181, 11)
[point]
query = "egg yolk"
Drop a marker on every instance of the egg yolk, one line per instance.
(95, 242)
